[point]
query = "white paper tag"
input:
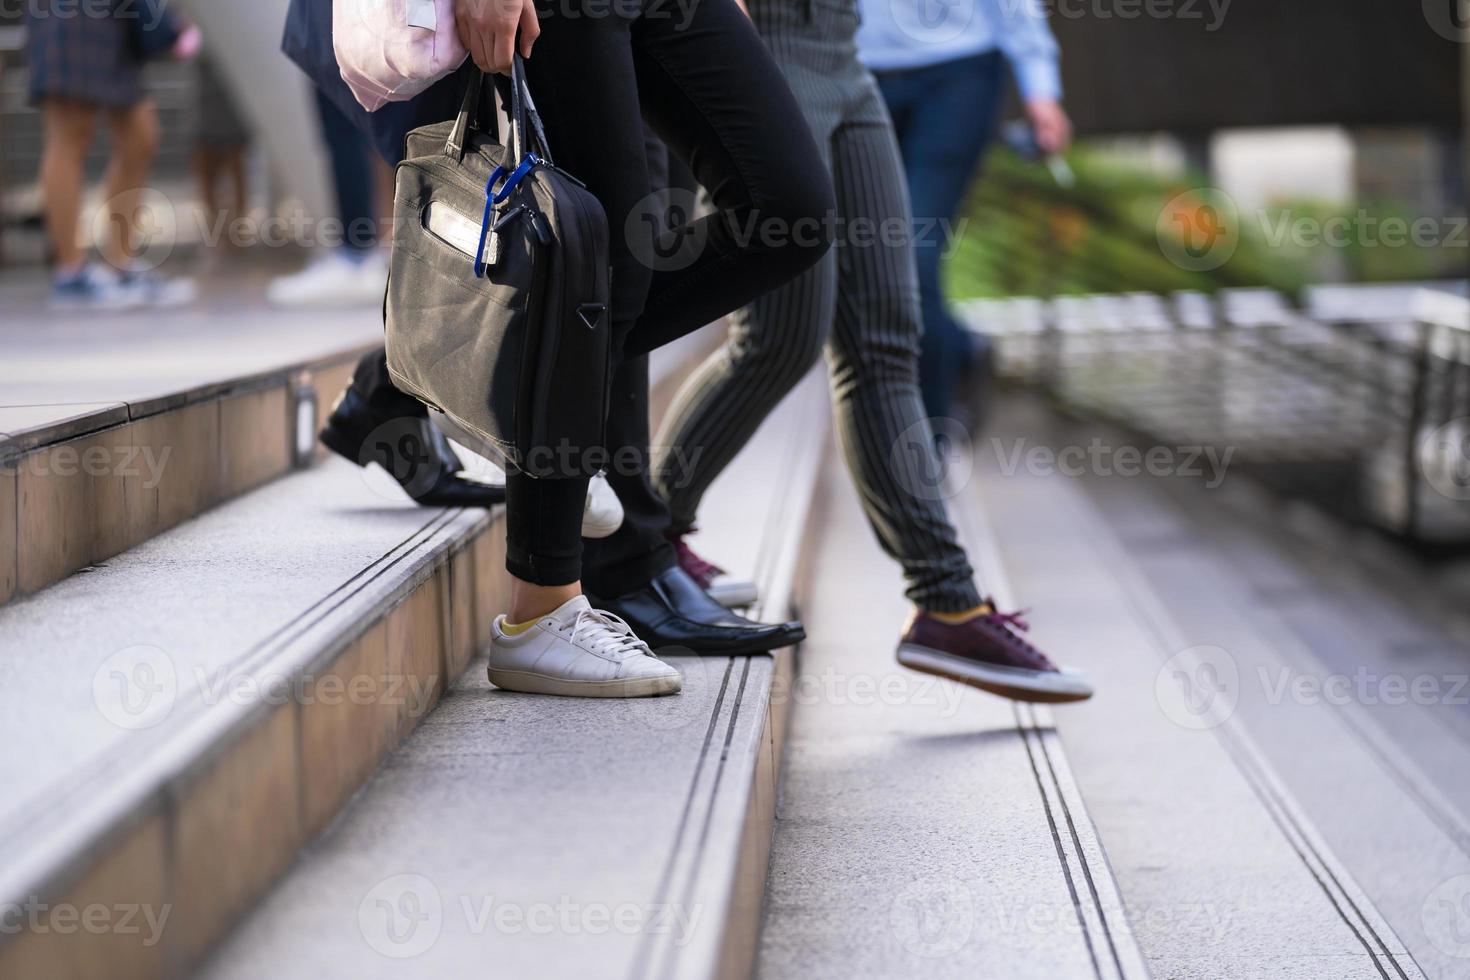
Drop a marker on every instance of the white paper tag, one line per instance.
(421, 13)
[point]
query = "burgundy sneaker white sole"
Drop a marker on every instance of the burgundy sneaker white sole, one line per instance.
(1015, 683)
(733, 593)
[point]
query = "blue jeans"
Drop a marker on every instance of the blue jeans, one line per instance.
(352, 177)
(945, 116)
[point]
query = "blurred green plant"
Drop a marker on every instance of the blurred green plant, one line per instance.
(1026, 235)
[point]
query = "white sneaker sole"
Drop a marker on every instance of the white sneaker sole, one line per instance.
(1016, 683)
(734, 593)
(530, 682)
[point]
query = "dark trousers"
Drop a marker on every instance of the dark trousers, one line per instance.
(705, 83)
(352, 176)
(860, 305)
(941, 155)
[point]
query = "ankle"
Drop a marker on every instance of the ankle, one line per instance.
(528, 601)
(960, 616)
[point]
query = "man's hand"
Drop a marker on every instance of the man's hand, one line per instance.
(488, 29)
(1050, 123)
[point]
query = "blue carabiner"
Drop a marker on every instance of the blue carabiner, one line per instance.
(493, 197)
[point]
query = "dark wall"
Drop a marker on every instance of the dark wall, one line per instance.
(1188, 67)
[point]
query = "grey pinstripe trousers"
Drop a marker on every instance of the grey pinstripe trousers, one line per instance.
(860, 304)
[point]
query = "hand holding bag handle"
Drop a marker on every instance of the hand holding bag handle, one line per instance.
(525, 122)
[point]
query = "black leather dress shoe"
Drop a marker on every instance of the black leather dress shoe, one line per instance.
(673, 611)
(411, 449)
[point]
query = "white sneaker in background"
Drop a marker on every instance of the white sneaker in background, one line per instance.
(158, 291)
(333, 279)
(372, 268)
(602, 515)
(578, 652)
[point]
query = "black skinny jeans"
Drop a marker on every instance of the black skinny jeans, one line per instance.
(701, 77)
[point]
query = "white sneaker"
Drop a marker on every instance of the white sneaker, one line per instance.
(160, 292)
(332, 280)
(602, 514)
(93, 288)
(578, 652)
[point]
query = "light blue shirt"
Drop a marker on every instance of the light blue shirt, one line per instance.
(917, 33)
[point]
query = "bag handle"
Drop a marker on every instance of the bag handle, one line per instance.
(525, 121)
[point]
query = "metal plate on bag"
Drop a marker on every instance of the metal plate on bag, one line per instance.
(458, 231)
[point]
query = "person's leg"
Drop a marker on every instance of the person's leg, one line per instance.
(352, 177)
(769, 347)
(134, 144)
(207, 175)
(882, 429)
(941, 159)
(695, 86)
(637, 552)
(67, 133)
(770, 343)
(596, 134)
(373, 422)
(711, 90)
(373, 384)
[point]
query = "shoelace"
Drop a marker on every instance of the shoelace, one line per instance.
(607, 634)
(1013, 623)
(702, 571)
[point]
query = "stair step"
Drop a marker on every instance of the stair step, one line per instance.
(561, 837)
(1223, 870)
(109, 436)
(185, 716)
(925, 828)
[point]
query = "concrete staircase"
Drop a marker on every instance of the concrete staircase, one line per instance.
(251, 735)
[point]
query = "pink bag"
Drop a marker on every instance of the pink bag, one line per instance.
(391, 50)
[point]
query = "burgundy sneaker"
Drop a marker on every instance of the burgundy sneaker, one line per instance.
(988, 652)
(728, 591)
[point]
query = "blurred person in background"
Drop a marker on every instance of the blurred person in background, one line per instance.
(945, 83)
(219, 152)
(350, 269)
(86, 61)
